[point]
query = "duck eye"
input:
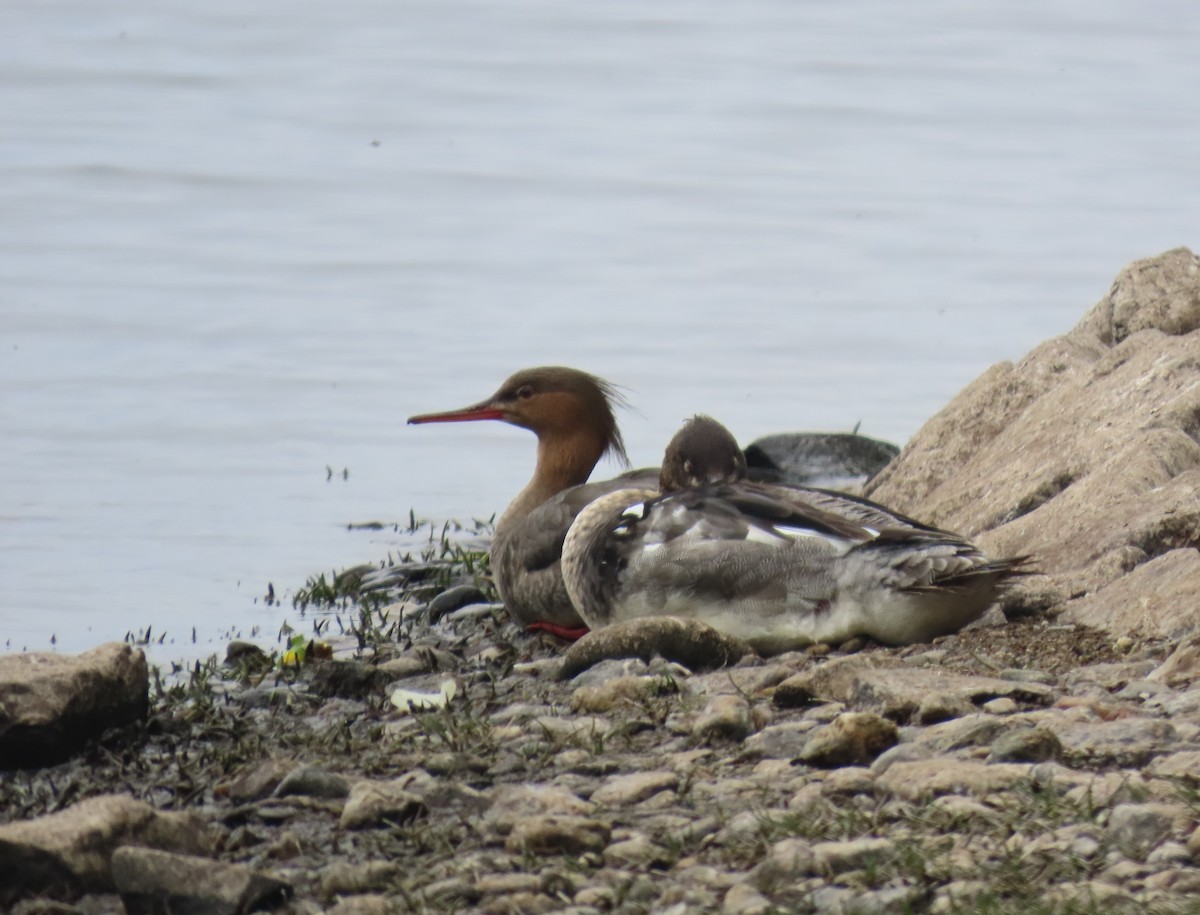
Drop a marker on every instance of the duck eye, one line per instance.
(525, 392)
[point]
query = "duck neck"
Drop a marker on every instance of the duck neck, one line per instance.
(563, 460)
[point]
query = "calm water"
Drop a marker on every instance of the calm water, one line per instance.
(242, 245)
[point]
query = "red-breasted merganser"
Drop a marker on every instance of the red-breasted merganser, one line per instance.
(571, 412)
(778, 566)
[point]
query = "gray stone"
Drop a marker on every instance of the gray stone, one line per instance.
(558, 835)
(631, 692)
(376, 803)
(1182, 665)
(724, 718)
(1026, 744)
(454, 599)
(635, 853)
(788, 861)
(51, 705)
(152, 882)
(510, 804)
(366, 904)
(931, 777)
(780, 741)
(626, 790)
(256, 780)
(69, 853)
(888, 686)
(1125, 743)
(312, 782)
(343, 878)
(853, 738)
(853, 854)
(1139, 827)
(1184, 765)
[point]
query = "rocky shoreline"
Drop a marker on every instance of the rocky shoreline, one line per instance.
(1047, 761)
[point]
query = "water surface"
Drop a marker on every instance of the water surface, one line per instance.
(241, 245)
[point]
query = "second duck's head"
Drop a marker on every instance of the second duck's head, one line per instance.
(702, 453)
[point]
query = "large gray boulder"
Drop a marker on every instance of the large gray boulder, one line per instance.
(1084, 454)
(69, 853)
(51, 705)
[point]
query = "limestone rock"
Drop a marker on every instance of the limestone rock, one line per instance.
(513, 803)
(625, 790)
(724, 718)
(51, 704)
(375, 803)
(691, 643)
(558, 835)
(151, 882)
(68, 853)
(1084, 454)
(931, 777)
(891, 688)
(1139, 827)
(853, 738)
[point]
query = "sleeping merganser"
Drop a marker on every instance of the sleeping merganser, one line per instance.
(777, 566)
(571, 412)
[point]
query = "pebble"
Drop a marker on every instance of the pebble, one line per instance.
(724, 718)
(558, 835)
(853, 738)
(1026, 744)
(625, 790)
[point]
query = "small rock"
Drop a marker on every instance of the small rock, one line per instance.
(596, 897)
(312, 782)
(622, 691)
(151, 882)
(780, 741)
(1184, 765)
(1139, 827)
(1034, 744)
(503, 884)
(853, 738)
(626, 790)
(374, 803)
(1126, 743)
(343, 878)
(558, 835)
(923, 778)
(366, 904)
(937, 707)
(510, 804)
(1001, 706)
(853, 854)
(347, 680)
(636, 853)
(255, 780)
(743, 899)
(724, 718)
(1182, 665)
(688, 642)
(247, 654)
(454, 599)
(788, 861)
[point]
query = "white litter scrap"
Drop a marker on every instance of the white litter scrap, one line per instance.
(408, 700)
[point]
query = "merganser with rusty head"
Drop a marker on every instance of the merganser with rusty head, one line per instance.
(572, 415)
(778, 566)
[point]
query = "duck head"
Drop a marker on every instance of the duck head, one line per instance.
(702, 453)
